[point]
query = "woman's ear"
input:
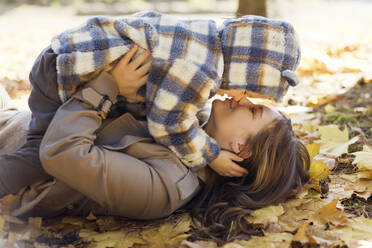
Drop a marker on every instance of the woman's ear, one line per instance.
(243, 151)
(245, 154)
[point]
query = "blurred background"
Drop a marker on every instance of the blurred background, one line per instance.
(335, 35)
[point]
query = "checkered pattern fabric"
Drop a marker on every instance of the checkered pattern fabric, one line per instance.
(190, 59)
(260, 55)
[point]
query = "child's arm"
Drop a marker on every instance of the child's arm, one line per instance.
(172, 105)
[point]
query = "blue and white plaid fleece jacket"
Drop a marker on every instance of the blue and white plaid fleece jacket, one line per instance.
(191, 60)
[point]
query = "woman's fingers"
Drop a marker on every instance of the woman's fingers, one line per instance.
(140, 59)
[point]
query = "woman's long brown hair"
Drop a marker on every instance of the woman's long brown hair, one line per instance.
(278, 165)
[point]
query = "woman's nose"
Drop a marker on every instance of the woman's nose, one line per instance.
(244, 101)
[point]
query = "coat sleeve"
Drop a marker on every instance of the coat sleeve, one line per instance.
(69, 153)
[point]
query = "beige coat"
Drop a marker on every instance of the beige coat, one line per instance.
(108, 166)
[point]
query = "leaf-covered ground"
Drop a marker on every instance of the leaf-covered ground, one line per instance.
(331, 112)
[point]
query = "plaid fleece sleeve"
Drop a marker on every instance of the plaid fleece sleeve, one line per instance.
(171, 116)
(187, 66)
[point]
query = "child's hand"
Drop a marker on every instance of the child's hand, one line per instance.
(131, 73)
(225, 166)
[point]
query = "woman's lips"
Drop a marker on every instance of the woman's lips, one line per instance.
(229, 103)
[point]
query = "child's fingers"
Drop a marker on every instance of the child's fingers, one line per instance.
(238, 169)
(140, 98)
(235, 157)
(136, 97)
(144, 69)
(140, 59)
(142, 81)
(128, 56)
(233, 174)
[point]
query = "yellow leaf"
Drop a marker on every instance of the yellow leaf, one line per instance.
(332, 133)
(364, 158)
(334, 141)
(329, 108)
(265, 215)
(318, 170)
(313, 149)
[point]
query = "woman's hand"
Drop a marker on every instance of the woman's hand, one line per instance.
(131, 73)
(224, 165)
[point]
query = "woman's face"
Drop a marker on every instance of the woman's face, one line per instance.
(232, 120)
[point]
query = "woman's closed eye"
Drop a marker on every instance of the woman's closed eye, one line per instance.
(256, 109)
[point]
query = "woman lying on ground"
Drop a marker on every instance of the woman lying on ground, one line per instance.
(110, 165)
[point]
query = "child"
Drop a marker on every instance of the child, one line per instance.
(191, 61)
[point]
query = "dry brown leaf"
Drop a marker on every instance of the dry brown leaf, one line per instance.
(295, 214)
(198, 244)
(312, 67)
(76, 221)
(168, 233)
(365, 175)
(302, 237)
(3, 227)
(324, 99)
(364, 159)
(107, 223)
(8, 202)
(337, 50)
(324, 238)
(358, 229)
(270, 240)
(117, 239)
(91, 216)
(329, 214)
(265, 215)
(35, 222)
